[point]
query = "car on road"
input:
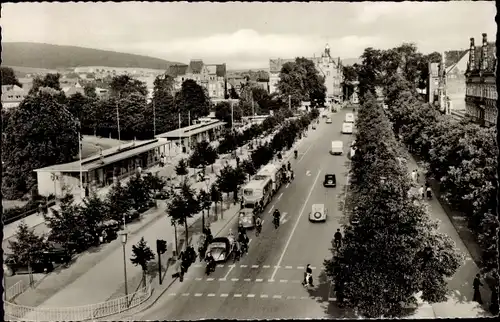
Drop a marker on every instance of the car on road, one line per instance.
(349, 118)
(318, 213)
(329, 121)
(346, 128)
(220, 248)
(41, 265)
(246, 218)
(330, 180)
(337, 147)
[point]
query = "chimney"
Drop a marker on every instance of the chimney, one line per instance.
(472, 54)
(484, 58)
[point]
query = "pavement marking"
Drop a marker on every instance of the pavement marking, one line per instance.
(222, 279)
(247, 279)
(264, 296)
(229, 271)
(300, 267)
(288, 267)
(296, 281)
(276, 296)
(262, 222)
(237, 295)
(250, 295)
(291, 297)
(308, 173)
(287, 185)
(283, 218)
(332, 299)
(224, 295)
(255, 266)
(304, 297)
(249, 241)
(266, 266)
(303, 155)
(276, 266)
(283, 281)
(279, 197)
(185, 294)
(172, 294)
(270, 210)
(296, 224)
(270, 280)
(198, 294)
(241, 266)
(313, 267)
(211, 294)
(210, 279)
(259, 280)
(198, 279)
(235, 279)
(220, 265)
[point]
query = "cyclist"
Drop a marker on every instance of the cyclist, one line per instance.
(258, 225)
(276, 216)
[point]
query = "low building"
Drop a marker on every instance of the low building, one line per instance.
(330, 68)
(73, 89)
(257, 119)
(100, 170)
(186, 138)
(101, 92)
(213, 77)
(12, 96)
(481, 92)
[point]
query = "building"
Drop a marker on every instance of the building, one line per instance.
(187, 137)
(481, 92)
(100, 170)
(213, 77)
(328, 67)
(12, 96)
(237, 82)
(73, 89)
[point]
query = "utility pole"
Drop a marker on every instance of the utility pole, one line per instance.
(180, 143)
(189, 124)
(82, 190)
(118, 120)
(290, 102)
(154, 119)
(232, 116)
(253, 108)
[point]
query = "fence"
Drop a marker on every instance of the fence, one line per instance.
(80, 313)
(14, 290)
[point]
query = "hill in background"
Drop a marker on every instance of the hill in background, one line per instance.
(47, 56)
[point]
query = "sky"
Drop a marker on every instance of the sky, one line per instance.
(247, 35)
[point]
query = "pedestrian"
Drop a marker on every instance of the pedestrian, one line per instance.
(477, 293)
(338, 239)
(162, 160)
(414, 176)
(429, 193)
(421, 192)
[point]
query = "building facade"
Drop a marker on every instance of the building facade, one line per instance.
(328, 67)
(481, 92)
(213, 77)
(12, 96)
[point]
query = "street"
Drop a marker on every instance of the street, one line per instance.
(266, 283)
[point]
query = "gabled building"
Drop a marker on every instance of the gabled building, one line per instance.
(328, 67)
(481, 92)
(73, 89)
(12, 96)
(213, 77)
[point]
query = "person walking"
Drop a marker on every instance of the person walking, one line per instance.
(338, 239)
(421, 192)
(414, 176)
(477, 294)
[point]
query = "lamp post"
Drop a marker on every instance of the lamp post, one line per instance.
(123, 237)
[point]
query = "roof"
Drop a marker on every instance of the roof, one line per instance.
(191, 130)
(109, 156)
(212, 69)
(195, 66)
(254, 184)
(176, 70)
(318, 207)
(276, 64)
(490, 55)
(9, 88)
(221, 70)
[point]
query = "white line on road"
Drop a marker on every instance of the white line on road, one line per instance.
(198, 294)
(287, 185)
(259, 280)
(266, 266)
(198, 279)
(264, 296)
(211, 294)
(222, 279)
(279, 197)
(300, 267)
(237, 295)
(296, 224)
(276, 296)
(224, 295)
(288, 267)
(197, 265)
(290, 297)
(220, 265)
(242, 266)
(172, 294)
(229, 271)
(255, 266)
(270, 280)
(262, 222)
(283, 281)
(250, 295)
(249, 241)
(235, 279)
(271, 210)
(185, 294)
(303, 155)
(247, 279)
(210, 279)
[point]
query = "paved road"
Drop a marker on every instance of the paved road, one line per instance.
(265, 284)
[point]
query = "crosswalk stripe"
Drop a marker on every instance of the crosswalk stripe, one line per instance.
(332, 299)
(234, 279)
(222, 279)
(255, 266)
(236, 295)
(247, 279)
(198, 294)
(185, 294)
(270, 280)
(224, 295)
(266, 266)
(283, 281)
(259, 280)
(290, 297)
(276, 296)
(172, 294)
(210, 279)
(243, 266)
(300, 267)
(220, 265)
(262, 296)
(250, 295)
(288, 267)
(211, 294)
(198, 279)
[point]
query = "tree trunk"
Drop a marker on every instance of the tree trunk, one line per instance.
(187, 234)
(144, 278)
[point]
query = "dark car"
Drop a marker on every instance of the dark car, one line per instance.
(330, 181)
(41, 265)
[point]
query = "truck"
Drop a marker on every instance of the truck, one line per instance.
(275, 173)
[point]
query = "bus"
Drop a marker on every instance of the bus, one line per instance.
(275, 173)
(257, 190)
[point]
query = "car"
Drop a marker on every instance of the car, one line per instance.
(314, 127)
(318, 213)
(40, 265)
(328, 121)
(246, 218)
(220, 248)
(330, 181)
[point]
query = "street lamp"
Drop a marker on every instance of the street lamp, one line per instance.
(123, 237)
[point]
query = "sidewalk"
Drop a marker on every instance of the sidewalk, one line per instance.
(460, 293)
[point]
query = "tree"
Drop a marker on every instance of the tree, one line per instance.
(203, 155)
(133, 113)
(205, 203)
(229, 143)
(90, 91)
(215, 196)
(49, 80)
(229, 179)
(76, 105)
(26, 247)
(9, 76)
(194, 98)
(124, 85)
(223, 113)
(248, 167)
(233, 94)
(118, 202)
(141, 256)
(67, 226)
(39, 133)
(163, 104)
(182, 168)
(139, 192)
(93, 213)
(183, 206)
(154, 184)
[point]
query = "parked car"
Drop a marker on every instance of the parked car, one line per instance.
(41, 265)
